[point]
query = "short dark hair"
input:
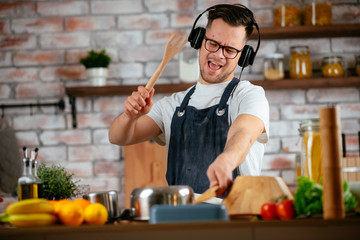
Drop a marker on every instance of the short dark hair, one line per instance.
(234, 17)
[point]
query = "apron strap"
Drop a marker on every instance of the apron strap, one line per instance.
(185, 102)
(225, 97)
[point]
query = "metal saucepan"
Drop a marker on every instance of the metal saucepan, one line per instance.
(142, 199)
(109, 199)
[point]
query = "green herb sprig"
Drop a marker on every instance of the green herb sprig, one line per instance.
(57, 182)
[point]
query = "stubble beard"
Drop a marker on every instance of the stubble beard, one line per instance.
(222, 77)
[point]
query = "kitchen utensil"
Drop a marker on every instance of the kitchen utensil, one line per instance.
(248, 193)
(175, 43)
(188, 213)
(107, 198)
(330, 135)
(142, 199)
(210, 193)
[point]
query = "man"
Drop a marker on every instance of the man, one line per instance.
(215, 130)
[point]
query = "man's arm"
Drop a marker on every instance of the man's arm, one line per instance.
(133, 126)
(241, 136)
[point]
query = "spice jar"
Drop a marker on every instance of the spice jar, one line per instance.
(358, 65)
(332, 66)
(300, 62)
(274, 66)
(317, 12)
(310, 149)
(287, 13)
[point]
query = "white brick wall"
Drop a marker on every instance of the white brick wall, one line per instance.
(41, 43)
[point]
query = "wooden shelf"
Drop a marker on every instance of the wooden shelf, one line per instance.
(111, 90)
(335, 30)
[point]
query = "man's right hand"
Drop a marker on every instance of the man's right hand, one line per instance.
(139, 103)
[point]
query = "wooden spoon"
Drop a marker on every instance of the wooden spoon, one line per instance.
(175, 43)
(210, 193)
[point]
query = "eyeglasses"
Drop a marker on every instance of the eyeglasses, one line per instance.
(213, 46)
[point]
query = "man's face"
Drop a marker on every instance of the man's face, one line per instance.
(215, 67)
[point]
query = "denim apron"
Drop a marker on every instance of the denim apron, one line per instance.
(197, 138)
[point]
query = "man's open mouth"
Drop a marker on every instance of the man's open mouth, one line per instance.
(214, 66)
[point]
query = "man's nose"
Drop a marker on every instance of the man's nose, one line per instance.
(220, 52)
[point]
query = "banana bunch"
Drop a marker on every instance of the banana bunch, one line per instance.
(31, 212)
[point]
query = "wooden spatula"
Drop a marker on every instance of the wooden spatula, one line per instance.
(175, 43)
(210, 193)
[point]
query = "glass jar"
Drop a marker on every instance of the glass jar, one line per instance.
(300, 62)
(188, 65)
(310, 149)
(286, 13)
(317, 12)
(332, 66)
(274, 66)
(357, 65)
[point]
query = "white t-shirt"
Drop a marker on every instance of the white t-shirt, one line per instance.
(246, 99)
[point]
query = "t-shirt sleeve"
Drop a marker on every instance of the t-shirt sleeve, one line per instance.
(253, 101)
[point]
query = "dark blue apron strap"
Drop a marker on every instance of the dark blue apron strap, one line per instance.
(186, 99)
(228, 91)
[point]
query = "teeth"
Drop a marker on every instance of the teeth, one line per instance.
(214, 66)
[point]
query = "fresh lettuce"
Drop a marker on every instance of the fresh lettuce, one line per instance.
(308, 198)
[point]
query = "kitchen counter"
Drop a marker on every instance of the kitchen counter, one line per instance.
(304, 229)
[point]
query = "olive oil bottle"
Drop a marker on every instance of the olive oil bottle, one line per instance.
(27, 187)
(34, 165)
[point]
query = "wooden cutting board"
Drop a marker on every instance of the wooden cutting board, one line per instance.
(248, 193)
(145, 165)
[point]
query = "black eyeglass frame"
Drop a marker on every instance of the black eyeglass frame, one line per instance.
(222, 47)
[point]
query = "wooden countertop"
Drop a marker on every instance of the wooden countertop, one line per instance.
(302, 229)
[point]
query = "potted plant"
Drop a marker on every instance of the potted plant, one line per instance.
(57, 183)
(96, 64)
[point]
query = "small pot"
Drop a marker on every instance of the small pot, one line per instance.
(142, 199)
(107, 198)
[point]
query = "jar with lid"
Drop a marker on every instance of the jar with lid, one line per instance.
(287, 13)
(310, 149)
(332, 66)
(357, 65)
(274, 66)
(300, 62)
(317, 12)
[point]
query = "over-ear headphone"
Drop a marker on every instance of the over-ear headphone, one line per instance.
(248, 54)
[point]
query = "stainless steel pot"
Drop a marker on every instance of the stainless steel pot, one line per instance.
(109, 199)
(142, 199)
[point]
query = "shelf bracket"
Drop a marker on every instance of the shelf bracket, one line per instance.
(72, 101)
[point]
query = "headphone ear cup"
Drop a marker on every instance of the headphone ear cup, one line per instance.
(196, 37)
(247, 56)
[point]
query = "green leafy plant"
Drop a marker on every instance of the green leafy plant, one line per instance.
(57, 182)
(308, 198)
(96, 59)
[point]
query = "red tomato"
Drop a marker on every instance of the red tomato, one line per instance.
(285, 210)
(268, 211)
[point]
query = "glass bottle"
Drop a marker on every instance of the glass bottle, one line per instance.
(317, 12)
(332, 66)
(37, 179)
(274, 66)
(27, 187)
(287, 13)
(310, 149)
(300, 62)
